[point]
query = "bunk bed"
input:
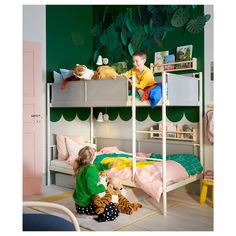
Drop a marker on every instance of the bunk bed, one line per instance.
(177, 90)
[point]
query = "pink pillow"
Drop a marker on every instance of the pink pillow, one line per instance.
(74, 148)
(61, 145)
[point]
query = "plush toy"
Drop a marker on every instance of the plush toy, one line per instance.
(116, 184)
(101, 202)
(81, 72)
(123, 204)
(103, 180)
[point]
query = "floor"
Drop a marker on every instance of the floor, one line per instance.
(188, 215)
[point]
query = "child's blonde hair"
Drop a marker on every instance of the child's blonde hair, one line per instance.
(85, 157)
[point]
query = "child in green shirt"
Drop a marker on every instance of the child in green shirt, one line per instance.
(87, 178)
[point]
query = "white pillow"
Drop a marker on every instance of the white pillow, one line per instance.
(74, 147)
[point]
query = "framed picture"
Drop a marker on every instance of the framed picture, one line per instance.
(184, 53)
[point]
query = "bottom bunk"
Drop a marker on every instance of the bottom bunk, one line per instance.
(181, 168)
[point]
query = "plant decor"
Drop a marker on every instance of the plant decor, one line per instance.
(142, 27)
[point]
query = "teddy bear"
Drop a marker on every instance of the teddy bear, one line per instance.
(81, 72)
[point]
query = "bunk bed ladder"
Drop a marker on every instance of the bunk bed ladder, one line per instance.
(164, 100)
(133, 126)
(49, 90)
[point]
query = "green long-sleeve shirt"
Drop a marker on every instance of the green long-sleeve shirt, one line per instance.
(87, 183)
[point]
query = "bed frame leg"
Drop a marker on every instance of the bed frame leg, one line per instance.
(164, 203)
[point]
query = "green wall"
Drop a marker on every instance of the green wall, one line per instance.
(69, 41)
(68, 38)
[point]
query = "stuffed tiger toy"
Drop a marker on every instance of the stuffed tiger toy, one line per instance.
(125, 206)
(101, 203)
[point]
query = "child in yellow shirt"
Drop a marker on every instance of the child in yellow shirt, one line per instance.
(144, 76)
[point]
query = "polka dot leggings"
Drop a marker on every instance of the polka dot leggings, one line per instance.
(88, 210)
(110, 213)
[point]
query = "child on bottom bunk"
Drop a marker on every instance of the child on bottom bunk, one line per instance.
(144, 76)
(87, 178)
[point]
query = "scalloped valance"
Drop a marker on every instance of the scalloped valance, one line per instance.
(174, 114)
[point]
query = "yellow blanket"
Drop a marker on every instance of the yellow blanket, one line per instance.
(125, 162)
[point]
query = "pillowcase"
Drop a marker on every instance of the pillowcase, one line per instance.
(61, 145)
(108, 150)
(74, 147)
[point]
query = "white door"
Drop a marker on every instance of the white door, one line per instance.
(32, 119)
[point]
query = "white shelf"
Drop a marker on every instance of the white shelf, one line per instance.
(193, 65)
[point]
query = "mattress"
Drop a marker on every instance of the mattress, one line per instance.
(61, 166)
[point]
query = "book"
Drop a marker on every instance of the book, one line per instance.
(159, 60)
(184, 53)
(169, 59)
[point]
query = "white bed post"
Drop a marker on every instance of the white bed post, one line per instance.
(91, 125)
(48, 135)
(133, 125)
(201, 121)
(164, 193)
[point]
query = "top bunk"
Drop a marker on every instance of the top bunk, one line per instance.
(182, 90)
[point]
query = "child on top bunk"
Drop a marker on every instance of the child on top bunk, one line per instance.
(87, 178)
(144, 76)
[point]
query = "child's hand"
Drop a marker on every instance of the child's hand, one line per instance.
(114, 163)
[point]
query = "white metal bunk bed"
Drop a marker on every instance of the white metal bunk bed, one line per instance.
(171, 187)
(164, 103)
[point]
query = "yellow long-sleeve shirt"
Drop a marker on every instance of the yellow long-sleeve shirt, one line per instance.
(143, 79)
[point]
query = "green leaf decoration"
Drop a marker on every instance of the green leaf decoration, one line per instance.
(117, 52)
(207, 17)
(170, 9)
(138, 36)
(151, 25)
(158, 31)
(153, 9)
(95, 56)
(131, 50)
(123, 37)
(146, 28)
(130, 24)
(145, 15)
(96, 30)
(180, 17)
(110, 39)
(159, 18)
(140, 27)
(195, 26)
(164, 35)
(120, 20)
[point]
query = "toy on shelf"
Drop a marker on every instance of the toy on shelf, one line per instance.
(179, 132)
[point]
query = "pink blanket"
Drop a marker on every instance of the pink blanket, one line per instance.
(149, 178)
